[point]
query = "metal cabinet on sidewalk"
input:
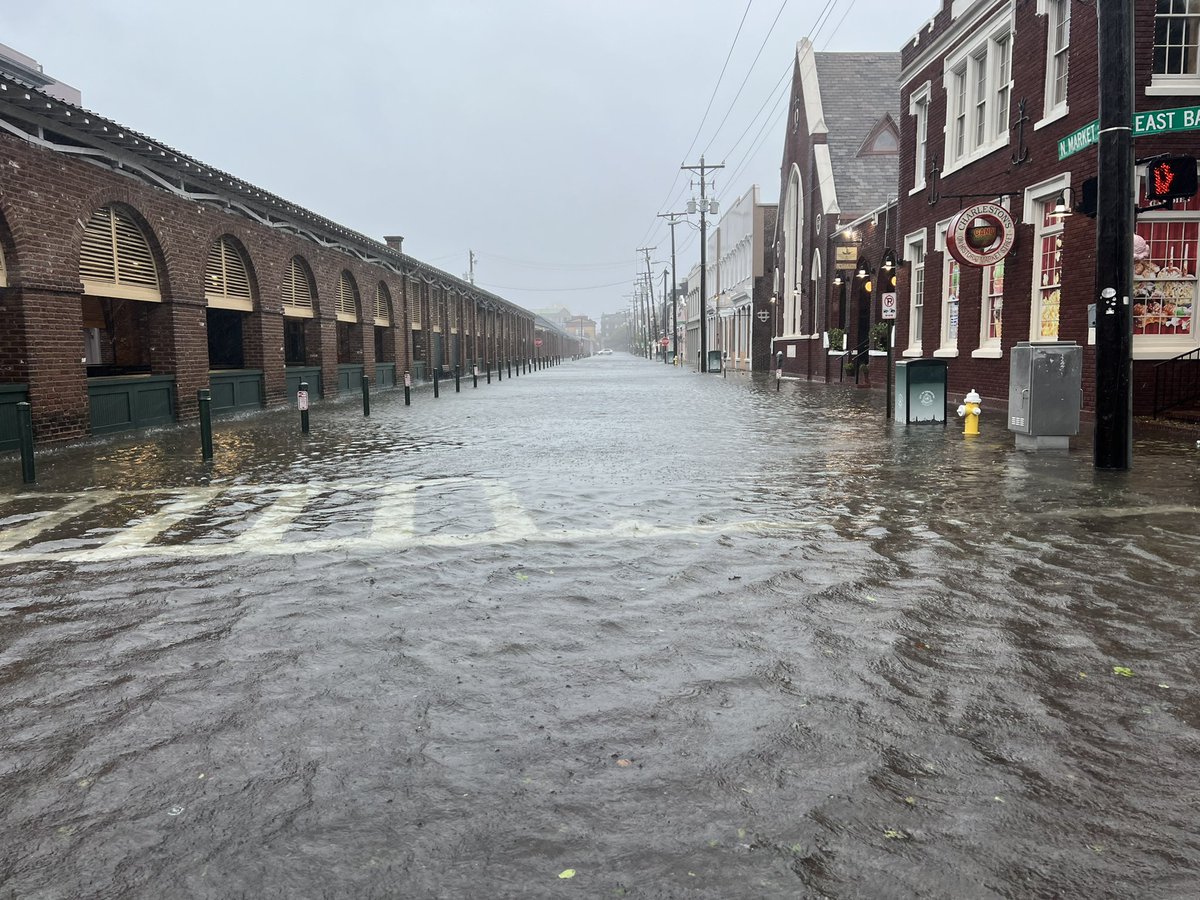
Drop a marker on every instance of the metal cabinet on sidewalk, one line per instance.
(921, 391)
(1045, 393)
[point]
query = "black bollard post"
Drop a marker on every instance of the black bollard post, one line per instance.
(488, 368)
(407, 389)
(204, 401)
(510, 368)
(302, 405)
(474, 376)
(436, 392)
(25, 425)
(499, 370)
(457, 385)
(366, 389)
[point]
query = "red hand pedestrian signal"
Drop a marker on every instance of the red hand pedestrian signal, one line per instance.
(1171, 178)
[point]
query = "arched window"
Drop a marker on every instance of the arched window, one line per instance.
(297, 290)
(347, 299)
(383, 302)
(793, 242)
(115, 259)
(226, 281)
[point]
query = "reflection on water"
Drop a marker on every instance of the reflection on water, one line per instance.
(935, 668)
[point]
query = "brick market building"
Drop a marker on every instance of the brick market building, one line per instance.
(988, 91)
(132, 275)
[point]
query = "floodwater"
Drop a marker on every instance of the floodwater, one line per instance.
(611, 629)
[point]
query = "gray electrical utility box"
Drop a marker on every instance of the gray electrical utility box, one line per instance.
(921, 391)
(1045, 393)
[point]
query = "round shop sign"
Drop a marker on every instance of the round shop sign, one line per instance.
(981, 235)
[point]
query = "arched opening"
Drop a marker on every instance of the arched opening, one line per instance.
(229, 297)
(128, 331)
(385, 341)
(301, 329)
(13, 390)
(793, 242)
(349, 333)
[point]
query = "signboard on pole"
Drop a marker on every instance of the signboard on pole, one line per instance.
(889, 306)
(664, 341)
(537, 342)
(847, 258)
(302, 400)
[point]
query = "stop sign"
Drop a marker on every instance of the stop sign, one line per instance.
(537, 342)
(664, 341)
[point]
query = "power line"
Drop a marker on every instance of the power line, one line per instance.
(590, 287)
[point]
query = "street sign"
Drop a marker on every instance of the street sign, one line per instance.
(846, 258)
(407, 380)
(537, 342)
(302, 400)
(664, 341)
(1155, 121)
(889, 306)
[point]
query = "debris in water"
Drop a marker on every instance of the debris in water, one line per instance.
(567, 873)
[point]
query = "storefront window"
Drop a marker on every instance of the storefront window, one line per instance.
(993, 301)
(1165, 278)
(950, 312)
(1049, 289)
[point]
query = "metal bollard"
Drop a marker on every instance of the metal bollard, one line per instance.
(25, 425)
(436, 392)
(499, 370)
(302, 405)
(510, 368)
(204, 401)
(488, 369)
(474, 376)
(366, 389)
(457, 386)
(407, 389)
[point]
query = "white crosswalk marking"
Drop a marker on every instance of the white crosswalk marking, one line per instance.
(394, 521)
(144, 533)
(14, 537)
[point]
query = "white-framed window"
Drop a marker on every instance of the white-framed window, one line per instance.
(918, 107)
(992, 318)
(951, 295)
(793, 242)
(978, 83)
(1176, 63)
(1058, 41)
(1164, 279)
(1046, 301)
(914, 252)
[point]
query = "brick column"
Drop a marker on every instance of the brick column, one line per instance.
(50, 361)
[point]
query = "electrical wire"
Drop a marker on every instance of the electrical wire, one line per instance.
(590, 287)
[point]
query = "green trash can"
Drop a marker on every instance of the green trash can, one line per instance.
(921, 391)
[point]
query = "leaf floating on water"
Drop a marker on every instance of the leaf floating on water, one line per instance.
(567, 873)
(1123, 671)
(1083, 674)
(1164, 686)
(624, 763)
(893, 834)
(174, 810)
(872, 600)
(521, 577)
(998, 799)
(911, 801)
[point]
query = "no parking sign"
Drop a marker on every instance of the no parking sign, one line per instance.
(889, 306)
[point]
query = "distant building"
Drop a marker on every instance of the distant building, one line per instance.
(740, 284)
(28, 70)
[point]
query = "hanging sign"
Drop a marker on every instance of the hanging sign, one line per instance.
(847, 258)
(981, 235)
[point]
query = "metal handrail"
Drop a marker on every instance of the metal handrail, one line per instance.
(1176, 381)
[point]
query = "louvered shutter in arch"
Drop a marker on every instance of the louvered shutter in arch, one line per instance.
(347, 299)
(297, 293)
(382, 304)
(115, 259)
(3, 270)
(226, 281)
(414, 304)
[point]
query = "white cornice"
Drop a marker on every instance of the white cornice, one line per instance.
(810, 86)
(963, 26)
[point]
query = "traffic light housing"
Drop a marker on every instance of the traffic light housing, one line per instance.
(1171, 178)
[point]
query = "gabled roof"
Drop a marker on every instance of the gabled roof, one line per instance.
(857, 91)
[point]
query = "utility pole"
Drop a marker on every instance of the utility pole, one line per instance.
(674, 219)
(650, 323)
(664, 314)
(702, 168)
(1113, 444)
(471, 266)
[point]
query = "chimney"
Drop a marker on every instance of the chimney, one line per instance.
(394, 241)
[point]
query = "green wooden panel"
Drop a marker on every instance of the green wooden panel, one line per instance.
(385, 374)
(349, 377)
(236, 389)
(10, 428)
(296, 374)
(121, 404)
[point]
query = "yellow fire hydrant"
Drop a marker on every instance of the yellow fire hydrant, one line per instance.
(970, 412)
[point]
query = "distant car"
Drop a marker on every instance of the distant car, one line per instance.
(605, 352)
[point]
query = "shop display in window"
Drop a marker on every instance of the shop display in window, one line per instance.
(1164, 272)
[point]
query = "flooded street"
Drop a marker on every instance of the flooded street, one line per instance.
(610, 629)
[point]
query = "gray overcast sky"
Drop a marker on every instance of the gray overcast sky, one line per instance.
(543, 134)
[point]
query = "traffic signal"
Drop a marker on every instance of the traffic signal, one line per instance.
(1171, 178)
